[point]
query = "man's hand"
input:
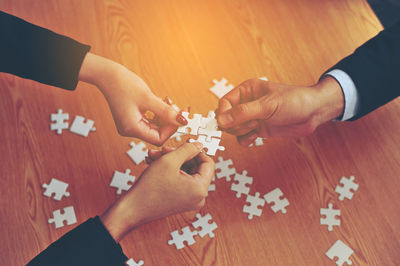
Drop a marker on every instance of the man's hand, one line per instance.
(129, 98)
(176, 181)
(258, 108)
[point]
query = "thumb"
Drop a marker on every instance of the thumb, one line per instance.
(241, 113)
(163, 111)
(184, 153)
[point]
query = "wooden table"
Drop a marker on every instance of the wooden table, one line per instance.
(179, 47)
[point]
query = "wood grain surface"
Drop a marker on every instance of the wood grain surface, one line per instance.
(179, 47)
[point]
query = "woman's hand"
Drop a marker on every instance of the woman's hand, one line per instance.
(176, 181)
(258, 108)
(129, 98)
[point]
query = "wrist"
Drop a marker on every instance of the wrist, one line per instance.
(98, 70)
(330, 99)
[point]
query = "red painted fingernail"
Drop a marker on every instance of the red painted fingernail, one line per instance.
(181, 119)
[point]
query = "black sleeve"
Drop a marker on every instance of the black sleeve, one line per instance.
(375, 70)
(36, 53)
(88, 244)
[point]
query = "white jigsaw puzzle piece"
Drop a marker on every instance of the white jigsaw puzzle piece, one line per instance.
(330, 215)
(341, 251)
(240, 187)
(59, 119)
(56, 187)
(193, 124)
(138, 152)
(132, 262)
(68, 216)
(80, 127)
(347, 188)
(275, 197)
(179, 239)
(121, 181)
(211, 146)
(255, 202)
(209, 127)
(221, 87)
(212, 186)
(226, 168)
(206, 227)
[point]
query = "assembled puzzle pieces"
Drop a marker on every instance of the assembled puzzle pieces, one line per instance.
(132, 262)
(68, 216)
(80, 127)
(179, 239)
(57, 188)
(347, 188)
(122, 181)
(241, 186)
(209, 127)
(211, 146)
(341, 251)
(224, 169)
(206, 227)
(221, 87)
(59, 119)
(255, 202)
(330, 215)
(275, 197)
(193, 125)
(138, 152)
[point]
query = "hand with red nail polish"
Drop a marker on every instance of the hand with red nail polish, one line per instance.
(258, 108)
(129, 99)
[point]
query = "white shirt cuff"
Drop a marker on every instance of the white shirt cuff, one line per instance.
(351, 97)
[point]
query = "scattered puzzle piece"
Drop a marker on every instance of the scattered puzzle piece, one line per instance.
(56, 187)
(211, 146)
(193, 124)
(121, 181)
(221, 88)
(226, 169)
(132, 262)
(347, 188)
(209, 127)
(252, 209)
(275, 197)
(68, 216)
(80, 127)
(138, 152)
(212, 187)
(341, 251)
(59, 119)
(206, 227)
(240, 187)
(330, 215)
(178, 239)
(258, 142)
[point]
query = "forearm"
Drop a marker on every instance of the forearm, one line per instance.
(36, 53)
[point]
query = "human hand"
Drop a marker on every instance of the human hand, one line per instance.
(163, 189)
(129, 98)
(258, 108)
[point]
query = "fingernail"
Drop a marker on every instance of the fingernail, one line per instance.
(167, 100)
(253, 124)
(225, 119)
(181, 119)
(198, 145)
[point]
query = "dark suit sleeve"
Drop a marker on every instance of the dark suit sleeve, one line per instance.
(88, 244)
(36, 53)
(374, 68)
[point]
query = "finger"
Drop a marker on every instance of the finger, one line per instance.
(184, 153)
(241, 113)
(166, 113)
(206, 168)
(244, 128)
